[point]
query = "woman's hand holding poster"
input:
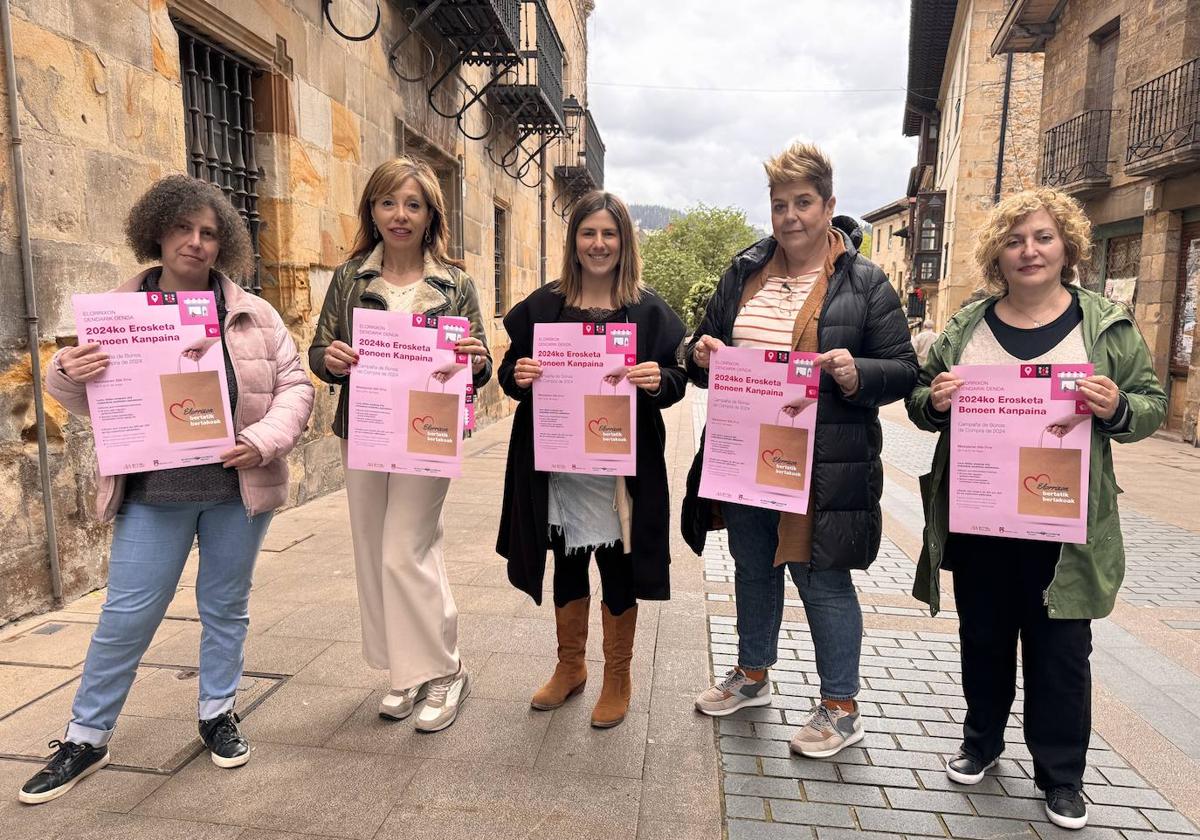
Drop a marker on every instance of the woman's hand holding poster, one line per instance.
(407, 393)
(1020, 442)
(584, 407)
(762, 419)
(163, 402)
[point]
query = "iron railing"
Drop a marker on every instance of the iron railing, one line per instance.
(593, 152)
(484, 32)
(219, 130)
(1164, 113)
(1076, 151)
(916, 306)
(533, 91)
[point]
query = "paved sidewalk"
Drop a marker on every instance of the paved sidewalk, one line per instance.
(324, 764)
(893, 783)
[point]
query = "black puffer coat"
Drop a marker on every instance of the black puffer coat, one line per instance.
(862, 314)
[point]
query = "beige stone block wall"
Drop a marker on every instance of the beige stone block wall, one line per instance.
(102, 114)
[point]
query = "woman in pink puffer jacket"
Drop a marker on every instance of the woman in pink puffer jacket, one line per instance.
(191, 229)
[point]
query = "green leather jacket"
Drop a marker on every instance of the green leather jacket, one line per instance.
(1087, 577)
(447, 291)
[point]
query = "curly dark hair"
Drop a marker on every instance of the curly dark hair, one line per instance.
(176, 197)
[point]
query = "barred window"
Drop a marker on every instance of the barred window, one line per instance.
(219, 129)
(501, 258)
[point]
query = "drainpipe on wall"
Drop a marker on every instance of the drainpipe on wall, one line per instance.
(1003, 128)
(31, 316)
(542, 222)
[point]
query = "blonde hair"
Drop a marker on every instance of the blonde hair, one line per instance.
(385, 180)
(1068, 217)
(627, 288)
(801, 162)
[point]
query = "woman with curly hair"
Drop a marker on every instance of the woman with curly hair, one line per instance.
(190, 229)
(399, 262)
(1044, 593)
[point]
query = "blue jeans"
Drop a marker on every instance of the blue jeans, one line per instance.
(830, 603)
(149, 549)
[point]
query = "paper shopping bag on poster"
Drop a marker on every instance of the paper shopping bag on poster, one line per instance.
(433, 423)
(782, 456)
(1050, 481)
(606, 424)
(193, 406)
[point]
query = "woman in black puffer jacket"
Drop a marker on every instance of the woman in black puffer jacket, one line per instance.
(806, 288)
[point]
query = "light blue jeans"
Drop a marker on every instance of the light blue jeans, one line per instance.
(830, 603)
(149, 549)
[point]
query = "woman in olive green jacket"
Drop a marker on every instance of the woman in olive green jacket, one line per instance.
(1043, 592)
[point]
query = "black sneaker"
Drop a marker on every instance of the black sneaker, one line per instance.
(71, 763)
(967, 770)
(1065, 808)
(225, 743)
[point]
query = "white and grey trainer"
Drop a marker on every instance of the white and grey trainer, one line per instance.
(443, 698)
(827, 732)
(397, 705)
(735, 691)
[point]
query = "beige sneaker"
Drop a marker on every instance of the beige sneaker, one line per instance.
(445, 696)
(735, 691)
(397, 705)
(827, 732)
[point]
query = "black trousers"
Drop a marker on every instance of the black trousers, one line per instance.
(999, 587)
(571, 580)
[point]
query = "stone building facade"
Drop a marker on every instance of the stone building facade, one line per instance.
(889, 236)
(1120, 130)
(117, 93)
(976, 116)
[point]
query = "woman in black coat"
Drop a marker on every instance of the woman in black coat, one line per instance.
(806, 288)
(570, 514)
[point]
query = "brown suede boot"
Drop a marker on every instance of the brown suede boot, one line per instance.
(570, 673)
(618, 653)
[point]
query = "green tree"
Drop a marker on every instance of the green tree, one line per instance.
(697, 300)
(864, 247)
(697, 246)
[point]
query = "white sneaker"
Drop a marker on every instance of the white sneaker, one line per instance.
(397, 705)
(442, 701)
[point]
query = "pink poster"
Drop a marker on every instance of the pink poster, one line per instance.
(762, 420)
(407, 393)
(1020, 443)
(163, 402)
(584, 409)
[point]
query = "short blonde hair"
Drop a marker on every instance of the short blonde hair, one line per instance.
(1072, 224)
(801, 162)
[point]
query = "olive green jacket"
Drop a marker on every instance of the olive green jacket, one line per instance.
(446, 291)
(1088, 576)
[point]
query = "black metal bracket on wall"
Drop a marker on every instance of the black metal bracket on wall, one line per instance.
(325, 4)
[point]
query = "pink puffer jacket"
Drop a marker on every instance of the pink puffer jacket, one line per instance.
(275, 398)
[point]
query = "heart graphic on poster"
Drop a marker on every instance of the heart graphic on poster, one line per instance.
(182, 409)
(595, 426)
(1037, 480)
(770, 456)
(419, 423)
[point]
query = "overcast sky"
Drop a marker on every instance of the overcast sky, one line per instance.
(669, 144)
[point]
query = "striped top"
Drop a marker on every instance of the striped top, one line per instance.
(767, 319)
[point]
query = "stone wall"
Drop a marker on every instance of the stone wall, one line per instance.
(102, 117)
(1154, 38)
(971, 103)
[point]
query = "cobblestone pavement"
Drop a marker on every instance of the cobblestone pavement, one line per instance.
(893, 783)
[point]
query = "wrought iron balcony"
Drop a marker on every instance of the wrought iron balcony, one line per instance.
(581, 166)
(916, 305)
(1164, 122)
(532, 92)
(1075, 153)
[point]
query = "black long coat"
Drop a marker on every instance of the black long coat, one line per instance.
(862, 314)
(524, 538)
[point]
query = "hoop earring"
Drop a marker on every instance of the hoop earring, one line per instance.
(375, 231)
